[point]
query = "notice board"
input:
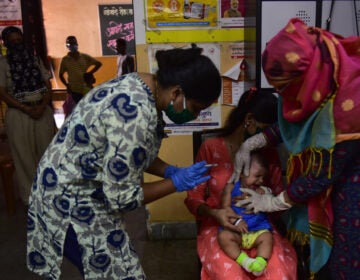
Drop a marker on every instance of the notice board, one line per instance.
(116, 21)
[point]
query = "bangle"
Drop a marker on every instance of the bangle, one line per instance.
(237, 222)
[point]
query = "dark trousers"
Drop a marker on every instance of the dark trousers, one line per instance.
(76, 96)
(72, 250)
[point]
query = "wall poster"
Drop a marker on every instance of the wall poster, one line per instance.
(116, 21)
(180, 14)
(10, 14)
(232, 13)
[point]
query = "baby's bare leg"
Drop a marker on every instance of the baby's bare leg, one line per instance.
(264, 245)
(230, 243)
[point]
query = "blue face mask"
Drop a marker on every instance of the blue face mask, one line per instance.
(179, 117)
(72, 48)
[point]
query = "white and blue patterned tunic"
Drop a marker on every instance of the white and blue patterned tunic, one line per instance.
(89, 176)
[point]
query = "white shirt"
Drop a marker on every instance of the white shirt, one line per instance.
(119, 62)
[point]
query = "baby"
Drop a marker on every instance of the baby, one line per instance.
(255, 228)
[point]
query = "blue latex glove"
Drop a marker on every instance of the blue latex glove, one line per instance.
(187, 178)
(170, 170)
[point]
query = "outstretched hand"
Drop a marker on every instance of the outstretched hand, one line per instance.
(242, 156)
(170, 170)
(185, 179)
(241, 163)
(226, 217)
(263, 202)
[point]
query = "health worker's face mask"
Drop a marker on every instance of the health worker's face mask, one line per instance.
(179, 117)
(72, 48)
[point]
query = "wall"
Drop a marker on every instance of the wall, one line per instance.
(80, 18)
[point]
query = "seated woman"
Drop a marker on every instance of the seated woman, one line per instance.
(255, 111)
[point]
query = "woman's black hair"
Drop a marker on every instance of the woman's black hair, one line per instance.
(262, 104)
(7, 31)
(196, 74)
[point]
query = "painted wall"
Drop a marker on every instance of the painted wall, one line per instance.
(80, 18)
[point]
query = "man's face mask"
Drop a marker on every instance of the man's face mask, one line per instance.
(179, 117)
(16, 46)
(72, 47)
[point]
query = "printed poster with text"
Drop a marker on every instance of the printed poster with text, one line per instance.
(232, 13)
(209, 118)
(239, 74)
(10, 14)
(116, 21)
(181, 14)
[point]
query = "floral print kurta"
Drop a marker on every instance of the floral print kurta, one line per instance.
(216, 265)
(89, 176)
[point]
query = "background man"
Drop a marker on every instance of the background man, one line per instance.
(76, 64)
(125, 63)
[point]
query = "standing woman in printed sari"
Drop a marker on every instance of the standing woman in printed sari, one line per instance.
(29, 121)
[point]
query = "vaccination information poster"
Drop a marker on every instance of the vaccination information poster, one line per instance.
(209, 118)
(185, 14)
(181, 14)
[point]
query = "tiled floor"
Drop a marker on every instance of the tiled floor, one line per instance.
(162, 260)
